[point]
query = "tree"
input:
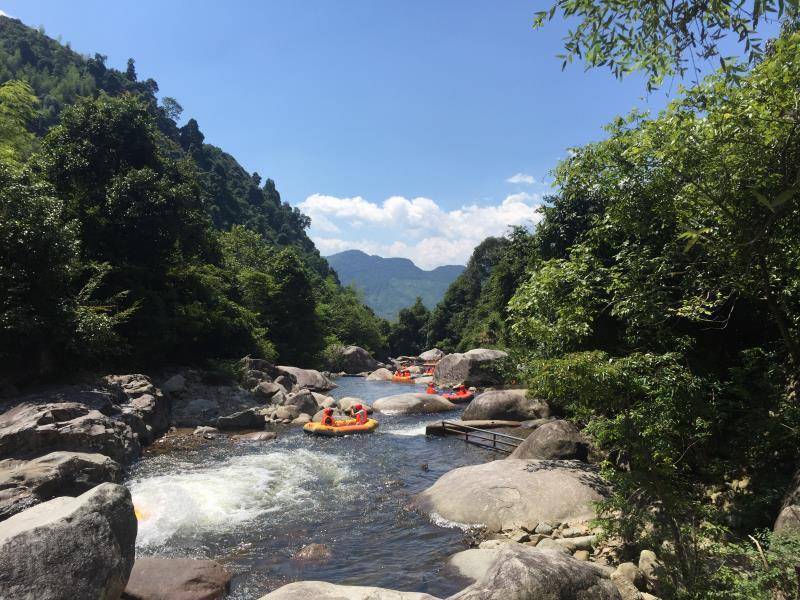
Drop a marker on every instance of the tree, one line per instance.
(409, 335)
(17, 110)
(172, 108)
(660, 39)
(130, 71)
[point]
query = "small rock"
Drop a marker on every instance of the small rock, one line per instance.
(155, 578)
(653, 571)
(551, 544)
(493, 544)
(544, 529)
(204, 430)
(256, 436)
(313, 553)
(581, 555)
(302, 419)
(631, 572)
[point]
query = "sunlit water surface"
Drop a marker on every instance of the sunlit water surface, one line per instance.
(251, 506)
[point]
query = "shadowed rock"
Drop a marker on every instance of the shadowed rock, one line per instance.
(470, 368)
(555, 440)
(408, 404)
(154, 578)
(309, 379)
(510, 405)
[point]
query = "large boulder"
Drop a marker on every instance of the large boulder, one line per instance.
(355, 359)
(320, 590)
(520, 572)
(788, 521)
(244, 419)
(470, 368)
(513, 493)
(554, 440)
(411, 404)
(309, 379)
(507, 405)
(144, 408)
(470, 565)
(26, 483)
(154, 578)
(69, 548)
(268, 391)
(381, 374)
(29, 430)
(431, 355)
(304, 401)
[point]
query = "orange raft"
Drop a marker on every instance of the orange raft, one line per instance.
(464, 396)
(342, 427)
(402, 377)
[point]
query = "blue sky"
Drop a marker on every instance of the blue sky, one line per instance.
(407, 128)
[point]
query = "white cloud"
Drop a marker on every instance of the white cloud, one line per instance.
(5, 14)
(416, 228)
(521, 178)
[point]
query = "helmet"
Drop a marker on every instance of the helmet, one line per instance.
(358, 406)
(328, 411)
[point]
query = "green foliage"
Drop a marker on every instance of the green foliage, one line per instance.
(17, 109)
(409, 335)
(660, 39)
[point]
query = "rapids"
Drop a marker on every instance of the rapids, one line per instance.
(252, 506)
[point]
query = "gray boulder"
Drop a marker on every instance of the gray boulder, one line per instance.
(69, 548)
(155, 578)
(304, 401)
(514, 493)
(470, 565)
(26, 483)
(245, 419)
(266, 391)
(470, 368)
(141, 405)
(524, 573)
(788, 521)
(174, 385)
(310, 379)
(346, 403)
(410, 404)
(198, 411)
(431, 355)
(555, 440)
(508, 405)
(320, 590)
(381, 374)
(355, 359)
(28, 430)
(255, 436)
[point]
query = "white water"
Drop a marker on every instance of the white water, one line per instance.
(406, 430)
(222, 496)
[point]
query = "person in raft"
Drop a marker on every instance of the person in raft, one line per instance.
(327, 417)
(360, 414)
(431, 389)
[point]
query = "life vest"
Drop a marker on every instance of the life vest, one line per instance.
(361, 417)
(430, 390)
(328, 420)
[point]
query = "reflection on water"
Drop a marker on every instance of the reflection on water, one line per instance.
(252, 506)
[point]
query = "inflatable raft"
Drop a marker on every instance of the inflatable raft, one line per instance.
(459, 396)
(402, 379)
(342, 427)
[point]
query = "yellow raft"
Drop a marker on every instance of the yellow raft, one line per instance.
(342, 427)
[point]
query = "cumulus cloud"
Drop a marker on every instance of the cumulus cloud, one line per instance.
(415, 228)
(4, 14)
(521, 178)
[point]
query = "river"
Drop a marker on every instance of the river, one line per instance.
(252, 506)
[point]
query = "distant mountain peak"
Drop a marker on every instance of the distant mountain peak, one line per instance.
(389, 284)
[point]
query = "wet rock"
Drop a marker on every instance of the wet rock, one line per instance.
(313, 553)
(511, 405)
(523, 572)
(470, 565)
(29, 430)
(256, 436)
(408, 404)
(286, 381)
(556, 440)
(355, 359)
(69, 548)
(286, 412)
(154, 578)
(380, 375)
(471, 368)
(245, 419)
(324, 401)
(302, 419)
(303, 401)
(515, 493)
(26, 483)
(320, 590)
(205, 430)
(309, 379)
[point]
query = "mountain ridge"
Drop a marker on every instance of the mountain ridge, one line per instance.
(392, 283)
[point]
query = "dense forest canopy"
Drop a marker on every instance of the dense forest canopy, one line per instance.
(126, 239)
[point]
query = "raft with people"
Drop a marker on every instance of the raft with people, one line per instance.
(458, 394)
(403, 376)
(330, 426)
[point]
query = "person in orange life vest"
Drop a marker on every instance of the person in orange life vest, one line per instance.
(360, 414)
(431, 389)
(460, 389)
(327, 417)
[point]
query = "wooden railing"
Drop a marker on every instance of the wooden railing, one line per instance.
(501, 442)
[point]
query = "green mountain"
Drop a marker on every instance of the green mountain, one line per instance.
(390, 284)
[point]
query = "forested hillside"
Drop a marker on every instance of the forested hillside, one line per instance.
(390, 284)
(125, 238)
(657, 305)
